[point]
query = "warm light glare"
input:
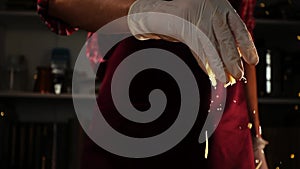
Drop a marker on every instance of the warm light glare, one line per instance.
(268, 87)
(268, 73)
(2, 114)
(260, 130)
(267, 12)
(292, 156)
(268, 58)
(250, 125)
(299, 94)
(277, 168)
(262, 5)
(298, 37)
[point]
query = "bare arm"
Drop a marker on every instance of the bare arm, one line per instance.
(251, 92)
(89, 15)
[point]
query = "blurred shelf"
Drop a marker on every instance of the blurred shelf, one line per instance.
(282, 22)
(23, 19)
(279, 101)
(18, 13)
(35, 95)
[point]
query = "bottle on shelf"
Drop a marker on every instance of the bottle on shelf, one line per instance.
(15, 74)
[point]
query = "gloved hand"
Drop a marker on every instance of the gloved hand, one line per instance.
(215, 18)
(259, 155)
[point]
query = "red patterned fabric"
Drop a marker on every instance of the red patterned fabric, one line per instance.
(59, 27)
(54, 24)
(93, 51)
(246, 13)
(245, 8)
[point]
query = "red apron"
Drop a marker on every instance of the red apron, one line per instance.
(230, 146)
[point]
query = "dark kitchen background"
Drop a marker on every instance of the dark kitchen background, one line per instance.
(38, 126)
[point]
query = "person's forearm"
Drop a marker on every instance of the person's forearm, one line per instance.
(89, 15)
(251, 92)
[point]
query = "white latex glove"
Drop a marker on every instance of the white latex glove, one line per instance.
(259, 155)
(217, 19)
